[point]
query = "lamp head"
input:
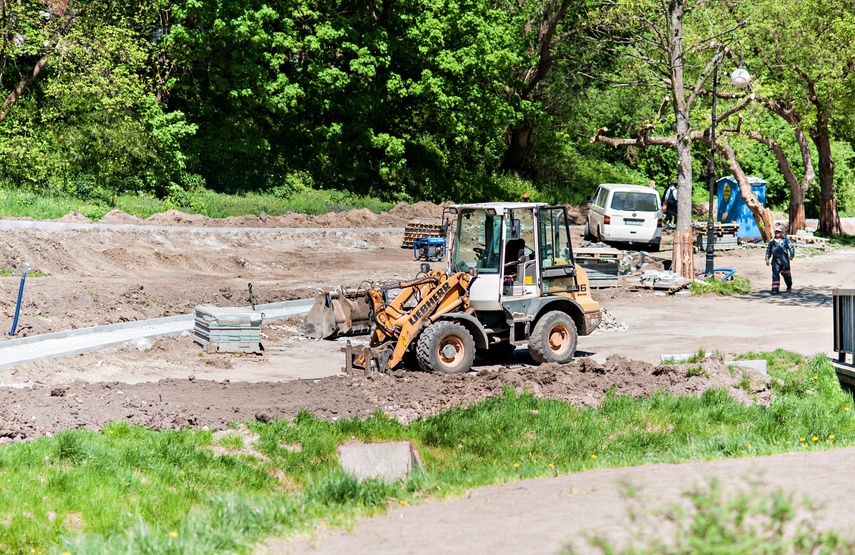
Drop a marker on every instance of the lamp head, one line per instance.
(740, 77)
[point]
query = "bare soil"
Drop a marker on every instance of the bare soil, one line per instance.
(99, 276)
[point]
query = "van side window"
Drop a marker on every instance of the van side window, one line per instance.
(600, 200)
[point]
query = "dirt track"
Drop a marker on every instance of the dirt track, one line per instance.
(98, 277)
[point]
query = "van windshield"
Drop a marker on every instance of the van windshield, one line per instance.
(637, 202)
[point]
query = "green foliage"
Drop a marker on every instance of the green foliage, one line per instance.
(717, 523)
(736, 285)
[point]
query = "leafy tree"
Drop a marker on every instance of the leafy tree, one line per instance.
(800, 50)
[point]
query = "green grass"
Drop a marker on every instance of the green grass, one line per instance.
(18, 203)
(715, 524)
(6, 272)
(126, 489)
(736, 285)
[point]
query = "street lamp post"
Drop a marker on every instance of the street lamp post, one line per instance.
(739, 79)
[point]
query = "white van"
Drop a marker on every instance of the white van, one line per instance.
(626, 214)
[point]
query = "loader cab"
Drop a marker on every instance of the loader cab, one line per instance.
(520, 250)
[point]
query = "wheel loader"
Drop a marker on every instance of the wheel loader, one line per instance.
(510, 281)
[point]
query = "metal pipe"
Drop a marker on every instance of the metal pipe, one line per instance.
(20, 297)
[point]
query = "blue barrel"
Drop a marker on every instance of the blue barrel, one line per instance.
(731, 207)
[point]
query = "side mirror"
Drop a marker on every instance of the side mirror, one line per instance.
(589, 199)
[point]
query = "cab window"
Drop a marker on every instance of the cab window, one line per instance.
(478, 241)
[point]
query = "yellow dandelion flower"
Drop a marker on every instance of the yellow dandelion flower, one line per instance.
(749, 446)
(404, 502)
(788, 442)
(801, 439)
(593, 456)
(550, 465)
(110, 432)
(173, 534)
(815, 438)
(831, 437)
(516, 465)
(32, 550)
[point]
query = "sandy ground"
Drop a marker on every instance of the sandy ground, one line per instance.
(97, 276)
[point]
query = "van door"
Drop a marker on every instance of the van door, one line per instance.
(595, 215)
(634, 215)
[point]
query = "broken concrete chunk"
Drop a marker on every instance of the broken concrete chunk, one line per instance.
(385, 461)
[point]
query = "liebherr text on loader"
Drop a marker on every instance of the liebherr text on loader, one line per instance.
(511, 280)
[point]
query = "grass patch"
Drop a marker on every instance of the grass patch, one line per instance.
(736, 285)
(20, 203)
(130, 490)
(6, 272)
(753, 522)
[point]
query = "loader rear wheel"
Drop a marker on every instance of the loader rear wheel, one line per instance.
(445, 348)
(553, 338)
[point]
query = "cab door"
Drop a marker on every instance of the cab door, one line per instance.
(557, 265)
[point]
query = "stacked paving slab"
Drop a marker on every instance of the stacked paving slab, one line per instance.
(226, 329)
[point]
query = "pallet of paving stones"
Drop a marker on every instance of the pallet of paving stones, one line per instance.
(227, 329)
(636, 285)
(809, 241)
(601, 264)
(719, 228)
(420, 228)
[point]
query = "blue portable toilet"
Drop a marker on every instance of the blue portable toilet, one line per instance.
(731, 207)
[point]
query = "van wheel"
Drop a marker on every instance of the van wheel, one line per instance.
(553, 338)
(445, 348)
(588, 236)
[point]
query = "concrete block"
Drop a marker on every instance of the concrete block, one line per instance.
(757, 365)
(385, 461)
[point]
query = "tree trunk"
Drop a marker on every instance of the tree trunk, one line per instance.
(682, 257)
(519, 145)
(762, 215)
(829, 220)
(797, 211)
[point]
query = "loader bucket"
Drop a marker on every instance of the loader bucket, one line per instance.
(337, 314)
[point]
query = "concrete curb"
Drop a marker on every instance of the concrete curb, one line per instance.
(84, 340)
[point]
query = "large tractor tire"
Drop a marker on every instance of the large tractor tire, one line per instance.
(553, 338)
(445, 348)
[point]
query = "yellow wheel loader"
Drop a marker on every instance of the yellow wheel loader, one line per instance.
(510, 281)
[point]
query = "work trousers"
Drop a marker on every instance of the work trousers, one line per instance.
(781, 268)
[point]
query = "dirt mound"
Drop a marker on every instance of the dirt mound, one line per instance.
(75, 218)
(117, 217)
(577, 215)
(176, 217)
(402, 213)
(361, 217)
(405, 395)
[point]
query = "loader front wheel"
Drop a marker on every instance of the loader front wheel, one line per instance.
(445, 348)
(553, 338)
